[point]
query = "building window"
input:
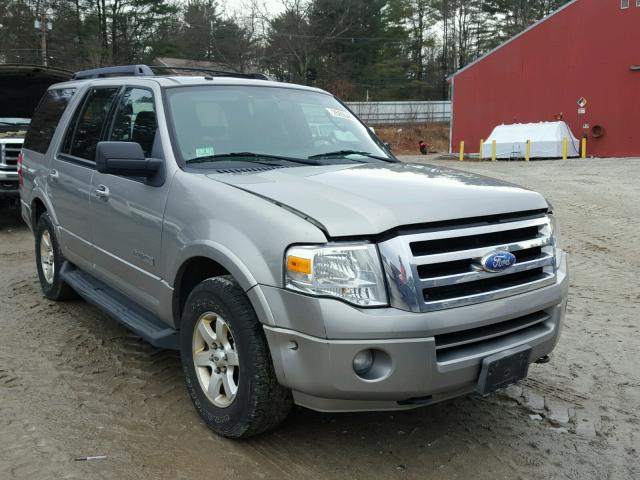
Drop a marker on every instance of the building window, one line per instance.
(637, 3)
(624, 3)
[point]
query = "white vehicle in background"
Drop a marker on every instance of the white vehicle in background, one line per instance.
(12, 132)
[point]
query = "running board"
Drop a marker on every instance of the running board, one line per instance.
(120, 308)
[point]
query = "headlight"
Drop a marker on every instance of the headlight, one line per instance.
(351, 272)
(555, 233)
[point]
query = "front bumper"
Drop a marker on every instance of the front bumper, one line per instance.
(314, 341)
(9, 187)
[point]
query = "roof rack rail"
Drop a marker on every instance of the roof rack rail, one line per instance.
(123, 70)
(219, 73)
(146, 70)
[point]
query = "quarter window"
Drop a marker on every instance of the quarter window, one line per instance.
(46, 118)
(135, 119)
(86, 130)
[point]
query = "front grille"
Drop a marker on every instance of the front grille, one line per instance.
(9, 155)
(441, 268)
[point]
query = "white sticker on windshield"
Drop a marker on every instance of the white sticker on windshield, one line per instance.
(339, 114)
(205, 152)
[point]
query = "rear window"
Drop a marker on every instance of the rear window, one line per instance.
(46, 118)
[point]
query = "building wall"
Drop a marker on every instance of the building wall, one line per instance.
(585, 50)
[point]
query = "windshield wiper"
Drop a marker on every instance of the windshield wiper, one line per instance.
(247, 155)
(344, 153)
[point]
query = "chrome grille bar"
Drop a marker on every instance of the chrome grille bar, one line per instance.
(421, 281)
(9, 154)
(545, 261)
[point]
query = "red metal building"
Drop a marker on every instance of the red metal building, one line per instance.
(589, 49)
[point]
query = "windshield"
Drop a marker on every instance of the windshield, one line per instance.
(212, 122)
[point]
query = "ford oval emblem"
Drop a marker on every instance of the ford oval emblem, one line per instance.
(498, 261)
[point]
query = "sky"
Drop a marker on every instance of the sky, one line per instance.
(273, 6)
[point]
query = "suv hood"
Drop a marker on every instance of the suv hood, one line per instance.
(353, 200)
(22, 86)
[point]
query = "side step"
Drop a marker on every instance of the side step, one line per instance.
(119, 307)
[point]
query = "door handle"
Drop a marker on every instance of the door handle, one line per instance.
(102, 192)
(54, 175)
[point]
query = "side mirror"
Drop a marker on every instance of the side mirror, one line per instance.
(388, 146)
(125, 159)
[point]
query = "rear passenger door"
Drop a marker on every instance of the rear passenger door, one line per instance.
(72, 170)
(128, 212)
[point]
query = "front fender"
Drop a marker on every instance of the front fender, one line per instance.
(218, 253)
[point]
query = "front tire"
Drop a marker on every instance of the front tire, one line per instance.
(226, 362)
(49, 261)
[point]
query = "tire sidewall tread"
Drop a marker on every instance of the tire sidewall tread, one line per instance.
(261, 402)
(58, 289)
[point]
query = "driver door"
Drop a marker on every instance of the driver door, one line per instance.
(128, 212)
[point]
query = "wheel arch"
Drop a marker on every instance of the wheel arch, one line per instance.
(205, 261)
(40, 204)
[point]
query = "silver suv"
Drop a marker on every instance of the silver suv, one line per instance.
(262, 230)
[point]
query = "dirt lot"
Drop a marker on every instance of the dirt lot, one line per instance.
(404, 139)
(74, 383)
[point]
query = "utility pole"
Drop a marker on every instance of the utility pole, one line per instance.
(43, 27)
(43, 32)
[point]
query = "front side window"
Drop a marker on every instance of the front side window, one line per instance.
(216, 121)
(86, 130)
(45, 119)
(135, 119)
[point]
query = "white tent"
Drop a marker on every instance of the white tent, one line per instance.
(546, 140)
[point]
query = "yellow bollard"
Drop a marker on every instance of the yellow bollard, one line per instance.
(565, 149)
(584, 148)
(481, 147)
(494, 151)
(462, 151)
(528, 153)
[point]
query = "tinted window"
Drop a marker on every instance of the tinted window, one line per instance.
(46, 118)
(135, 119)
(86, 130)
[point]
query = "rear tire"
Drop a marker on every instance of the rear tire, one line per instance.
(49, 261)
(227, 364)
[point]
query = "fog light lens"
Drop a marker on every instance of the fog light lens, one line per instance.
(363, 362)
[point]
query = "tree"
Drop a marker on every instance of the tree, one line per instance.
(516, 15)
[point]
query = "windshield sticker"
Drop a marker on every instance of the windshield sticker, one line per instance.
(205, 152)
(339, 114)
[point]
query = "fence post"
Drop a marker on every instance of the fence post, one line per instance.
(584, 148)
(462, 151)
(528, 151)
(481, 148)
(494, 150)
(565, 148)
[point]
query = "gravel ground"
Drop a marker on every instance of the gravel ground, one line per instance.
(73, 383)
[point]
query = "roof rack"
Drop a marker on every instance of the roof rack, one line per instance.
(145, 70)
(119, 71)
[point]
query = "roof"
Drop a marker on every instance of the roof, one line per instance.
(514, 38)
(182, 80)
